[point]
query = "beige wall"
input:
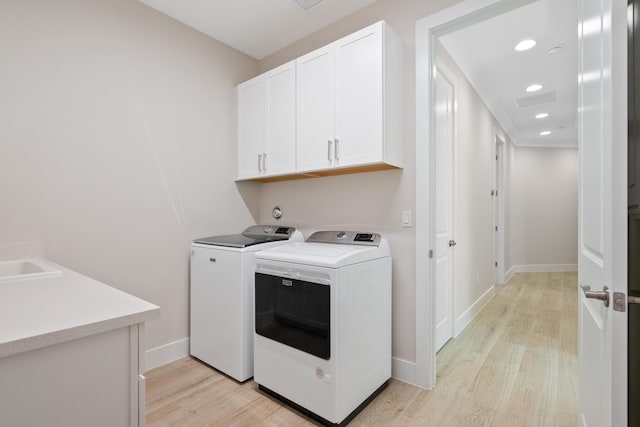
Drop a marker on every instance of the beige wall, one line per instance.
(117, 144)
(118, 149)
(543, 201)
(375, 200)
(371, 201)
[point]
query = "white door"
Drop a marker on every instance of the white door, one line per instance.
(359, 97)
(602, 198)
(251, 122)
(315, 109)
(443, 257)
(280, 151)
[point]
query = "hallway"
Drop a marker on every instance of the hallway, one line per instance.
(514, 365)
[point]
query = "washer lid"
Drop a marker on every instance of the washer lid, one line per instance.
(253, 235)
(324, 254)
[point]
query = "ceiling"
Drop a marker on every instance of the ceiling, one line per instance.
(483, 51)
(258, 27)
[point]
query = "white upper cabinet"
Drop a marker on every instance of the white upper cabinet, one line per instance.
(315, 109)
(335, 110)
(251, 127)
(349, 102)
(267, 125)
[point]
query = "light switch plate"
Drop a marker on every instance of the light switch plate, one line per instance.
(406, 219)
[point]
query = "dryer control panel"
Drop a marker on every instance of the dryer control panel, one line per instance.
(346, 237)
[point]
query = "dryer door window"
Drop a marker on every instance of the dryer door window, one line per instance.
(294, 312)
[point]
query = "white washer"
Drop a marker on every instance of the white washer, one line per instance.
(323, 323)
(221, 315)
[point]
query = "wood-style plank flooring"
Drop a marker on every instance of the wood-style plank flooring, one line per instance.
(514, 365)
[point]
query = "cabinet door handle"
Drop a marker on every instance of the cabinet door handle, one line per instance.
(336, 150)
(264, 162)
(329, 150)
(260, 162)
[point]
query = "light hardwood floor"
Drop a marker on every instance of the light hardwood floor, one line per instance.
(514, 365)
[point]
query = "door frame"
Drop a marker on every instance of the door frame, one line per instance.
(499, 209)
(428, 30)
(619, 183)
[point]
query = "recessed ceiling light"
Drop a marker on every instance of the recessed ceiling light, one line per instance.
(534, 88)
(542, 115)
(545, 133)
(525, 45)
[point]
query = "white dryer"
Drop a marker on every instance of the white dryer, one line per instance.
(221, 311)
(323, 323)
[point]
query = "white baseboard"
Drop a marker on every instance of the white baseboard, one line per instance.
(167, 353)
(541, 268)
(509, 274)
(465, 318)
(403, 370)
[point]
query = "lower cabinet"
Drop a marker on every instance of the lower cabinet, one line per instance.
(92, 381)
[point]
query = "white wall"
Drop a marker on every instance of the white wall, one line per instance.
(118, 143)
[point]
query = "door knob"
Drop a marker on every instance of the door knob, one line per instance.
(602, 295)
(452, 243)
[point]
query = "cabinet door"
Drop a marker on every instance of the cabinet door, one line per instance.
(359, 97)
(280, 86)
(315, 109)
(251, 127)
(88, 381)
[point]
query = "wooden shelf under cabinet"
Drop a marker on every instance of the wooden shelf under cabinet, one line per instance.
(328, 172)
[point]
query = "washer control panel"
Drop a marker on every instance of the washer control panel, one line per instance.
(346, 237)
(268, 230)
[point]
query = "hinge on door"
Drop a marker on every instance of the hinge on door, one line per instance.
(496, 263)
(430, 253)
(496, 157)
(496, 228)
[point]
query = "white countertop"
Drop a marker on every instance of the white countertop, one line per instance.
(41, 312)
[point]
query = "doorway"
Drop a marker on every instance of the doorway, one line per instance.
(428, 33)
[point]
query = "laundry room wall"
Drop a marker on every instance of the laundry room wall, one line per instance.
(371, 201)
(118, 140)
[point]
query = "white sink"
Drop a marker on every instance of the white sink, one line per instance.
(25, 269)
